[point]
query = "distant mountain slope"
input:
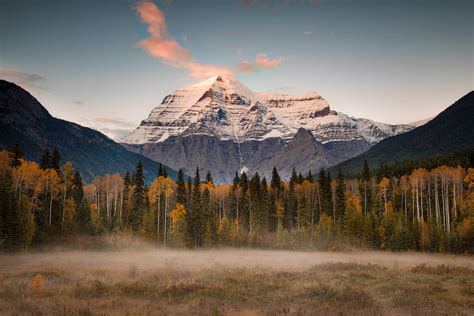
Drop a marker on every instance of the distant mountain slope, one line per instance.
(24, 120)
(452, 130)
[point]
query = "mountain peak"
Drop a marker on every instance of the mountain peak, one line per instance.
(223, 107)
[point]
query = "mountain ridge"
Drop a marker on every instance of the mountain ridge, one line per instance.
(227, 109)
(25, 121)
(450, 131)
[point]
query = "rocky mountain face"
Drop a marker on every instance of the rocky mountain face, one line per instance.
(222, 126)
(25, 121)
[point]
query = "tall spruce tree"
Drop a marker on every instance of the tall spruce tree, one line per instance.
(82, 217)
(45, 159)
(235, 182)
(9, 221)
(325, 192)
(209, 178)
(244, 182)
(365, 188)
(181, 188)
(138, 199)
(127, 183)
(291, 207)
(195, 219)
(9, 208)
(255, 205)
(340, 196)
(15, 156)
(266, 204)
(160, 170)
(276, 181)
(77, 188)
(55, 161)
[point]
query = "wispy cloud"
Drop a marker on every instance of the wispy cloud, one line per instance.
(28, 81)
(160, 44)
(114, 133)
(79, 103)
(113, 127)
(308, 33)
(262, 61)
(113, 121)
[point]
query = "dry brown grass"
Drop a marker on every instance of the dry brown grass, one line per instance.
(43, 288)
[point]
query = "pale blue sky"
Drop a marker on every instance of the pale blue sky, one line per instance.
(391, 61)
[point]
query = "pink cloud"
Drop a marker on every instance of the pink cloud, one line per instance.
(161, 45)
(28, 81)
(79, 103)
(262, 61)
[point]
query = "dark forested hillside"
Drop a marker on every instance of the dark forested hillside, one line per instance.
(452, 130)
(25, 121)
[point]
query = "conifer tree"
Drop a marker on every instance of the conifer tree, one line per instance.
(181, 188)
(255, 205)
(236, 181)
(15, 156)
(127, 182)
(138, 199)
(276, 181)
(340, 196)
(82, 217)
(195, 219)
(55, 160)
(160, 170)
(291, 207)
(244, 211)
(294, 177)
(244, 182)
(300, 178)
(365, 188)
(45, 159)
(10, 220)
(189, 194)
(77, 188)
(325, 192)
(265, 200)
(209, 178)
(210, 231)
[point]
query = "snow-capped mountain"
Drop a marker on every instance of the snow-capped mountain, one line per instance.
(225, 108)
(221, 126)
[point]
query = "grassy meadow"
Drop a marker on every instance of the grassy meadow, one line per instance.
(235, 282)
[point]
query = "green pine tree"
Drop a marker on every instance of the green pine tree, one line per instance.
(15, 156)
(340, 196)
(45, 159)
(55, 160)
(138, 199)
(365, 189)
(181, 188)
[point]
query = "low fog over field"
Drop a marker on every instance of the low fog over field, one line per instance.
(235, 281)
(206, 259)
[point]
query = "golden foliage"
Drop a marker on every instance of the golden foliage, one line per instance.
(37, 283)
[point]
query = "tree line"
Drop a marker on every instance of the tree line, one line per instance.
(425, 210)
